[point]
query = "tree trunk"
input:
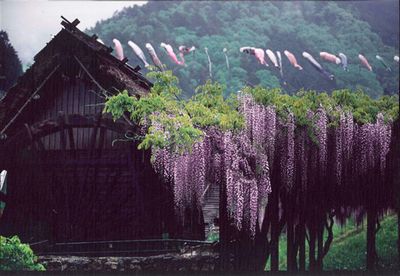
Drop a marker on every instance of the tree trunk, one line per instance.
(291, 256)
(311, 231)
(224, 256)
(371, 228)
(274, 246)
(320, 244)
(290, 246)
(302, 248)
(302, 235)
(262, 246)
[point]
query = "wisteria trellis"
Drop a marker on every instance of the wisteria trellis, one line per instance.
(243, 160)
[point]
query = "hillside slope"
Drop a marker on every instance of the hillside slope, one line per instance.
(296, 26)
(348, 249)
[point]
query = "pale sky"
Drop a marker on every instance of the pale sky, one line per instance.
(30, 24)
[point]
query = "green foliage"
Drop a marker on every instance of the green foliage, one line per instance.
(349, 253)
(297, 26)
(208, 108)
(177, 123)
(348, 248)
(15, 255)
(213, 236)
(363, 107)
(10, 65)
(174, 122)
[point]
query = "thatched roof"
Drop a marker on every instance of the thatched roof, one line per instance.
(72, 48)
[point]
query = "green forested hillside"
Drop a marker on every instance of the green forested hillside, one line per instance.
(295, 26)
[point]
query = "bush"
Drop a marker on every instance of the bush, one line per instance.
(15, 255)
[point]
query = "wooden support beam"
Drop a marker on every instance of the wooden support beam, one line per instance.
(94, 134)
(40, 144)
(50, 126)
(75, 22)
(29, 100)
(69, 25)
(29, 131)
(61, 121)
(101, 142)
(90, 75)
(71, 138)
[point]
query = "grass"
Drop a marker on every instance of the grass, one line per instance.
(348, 249)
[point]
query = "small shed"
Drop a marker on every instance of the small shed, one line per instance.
(67, 180)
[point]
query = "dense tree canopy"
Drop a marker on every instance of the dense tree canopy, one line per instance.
(10, 65)
(296, 26)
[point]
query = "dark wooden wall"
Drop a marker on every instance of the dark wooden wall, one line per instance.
(78, 96)
(72, 184)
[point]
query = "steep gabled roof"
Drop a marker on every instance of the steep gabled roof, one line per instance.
(69, 46)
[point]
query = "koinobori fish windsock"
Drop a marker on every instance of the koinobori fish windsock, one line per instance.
(292, 59)
(343, 59)
(378, 57)
(278, 54)
(317, 66)
(138, 52)
(183, 50)
(171, 53)
(396, 58)
(186, 50)
(154, 57)
(119, 51)
(272, 57)
(247, 50)
(364, 62)
(257, 52)
(329, 57)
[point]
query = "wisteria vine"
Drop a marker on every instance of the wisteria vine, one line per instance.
(263, 138)
(243, 160)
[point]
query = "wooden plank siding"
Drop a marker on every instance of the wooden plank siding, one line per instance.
(72, 184)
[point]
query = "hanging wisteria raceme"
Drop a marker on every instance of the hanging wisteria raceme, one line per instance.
(384, 133)
(187, 172)
(198, 168)
(264, 185)
(347, 135)
(260, 124)
(302, 157)
(181, 191)
(218, 167)
(163, 159)
(287, 160)
(366, 146)
(164, 163)
(322, 136)
(241, 181)
(347, 138)
(246, 108)
(367, 137)
(339, 147)
(231, 164)
(270, 133)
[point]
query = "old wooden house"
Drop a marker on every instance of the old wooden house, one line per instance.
(67, 180)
